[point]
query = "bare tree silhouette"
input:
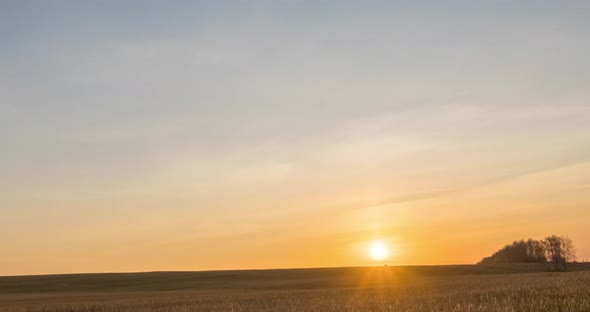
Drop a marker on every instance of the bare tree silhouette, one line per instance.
(559, 251)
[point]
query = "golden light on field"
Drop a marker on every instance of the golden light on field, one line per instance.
(378, 250)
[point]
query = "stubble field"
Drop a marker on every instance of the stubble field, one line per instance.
(434, 288)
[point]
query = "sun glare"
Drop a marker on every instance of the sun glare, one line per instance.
(378, 251)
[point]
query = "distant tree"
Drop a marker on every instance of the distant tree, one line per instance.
(518, 252)
(556, 250)
(535, 251)
(559, 251)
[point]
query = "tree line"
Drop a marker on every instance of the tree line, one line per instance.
(555, 250)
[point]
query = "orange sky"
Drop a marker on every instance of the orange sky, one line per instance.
(457, 226)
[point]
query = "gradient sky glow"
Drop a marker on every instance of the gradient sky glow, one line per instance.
(190, 135)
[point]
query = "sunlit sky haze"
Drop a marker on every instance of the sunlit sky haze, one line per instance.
(197, 135)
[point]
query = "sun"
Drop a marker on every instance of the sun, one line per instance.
(378, 250)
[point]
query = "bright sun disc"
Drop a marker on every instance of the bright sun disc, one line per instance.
(378, 251)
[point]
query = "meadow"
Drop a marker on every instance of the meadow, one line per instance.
(522, 287)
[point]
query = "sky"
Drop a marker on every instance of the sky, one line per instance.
(200, 135)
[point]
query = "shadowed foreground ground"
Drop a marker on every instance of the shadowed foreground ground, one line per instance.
(442, 288)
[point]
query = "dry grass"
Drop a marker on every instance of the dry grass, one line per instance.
(368, 289)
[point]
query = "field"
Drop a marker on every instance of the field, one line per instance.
(418, 288)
